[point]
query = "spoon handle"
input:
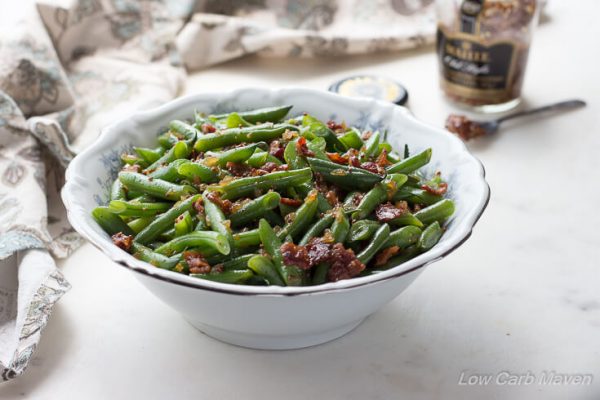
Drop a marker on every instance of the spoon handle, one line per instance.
(563, 105)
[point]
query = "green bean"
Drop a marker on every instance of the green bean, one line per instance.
(404, 256)
(155, 187)
(318, 146)
(291, 157)
(416, 196)
(167, 140)
(406, 219)
(216, 220)
(246, 239)
(436, 212)
(148, 155)
(258, 159)
(110, 222)
(269, 114)
(340, 227)
(201, 224)
(167, 235)
(403, 237)
(197, 173)
(302, 218)
(351, 139)
(237, 263)
(317, 228)
(320, 273)
(291, 275)
(118, 191)
(372, 144)
(349, 202)
(179, 150)
(169, 172)
(410, 164)
(184, 224)
(274, 180)
(344, 176)
(203, 240)
(166, 220)
(430, 236)
(319, 129)
(140, 223)
(363, 230)
(273, 218)
(239, 135)
(231, 276)
(237, 154)
(305, 188)
(143, 253)
(255, 209)
(381, 192)
(130, 159)
(136, 209)
(185, 131)
(234, 120)
(262, 266)
(377, 242)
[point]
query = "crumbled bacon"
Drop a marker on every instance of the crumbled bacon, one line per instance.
(271, 167)
(357, 198)
(207, 128)
(290, 202)
(371, 167)
(332, 197)
(122, 240)
(276, 149)
(302, 149)
(387, 212)
(344, 264)
(196, 262)
(199, 206)
(385, 255)
(318, 250)
(295, 255)
(239, 169)
(224, 205)
(382, 159)
(439, 190)
(334, 126)
(338, 158)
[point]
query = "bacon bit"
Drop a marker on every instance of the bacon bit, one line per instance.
(224, 205)
(122, 241)
(318, 250)
(403, 206)
(338, 158)
(357, 198)
(132, 168)
(344, 264)
(276, 149)
(302, 149)
(385, 255)
(387, 212)
(207, 128)
(440, 190)
(198, 206)
(417, 207)
(334, 126)
(463, 127)
(196, 262)
(366, 135)
(295, 255)
(290, 202)
(331, 197)
(271, 167)
(382, 159)
(239, 169)
(371, 167)
(289, 135)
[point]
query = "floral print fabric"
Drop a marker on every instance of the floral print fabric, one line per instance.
(67, 72)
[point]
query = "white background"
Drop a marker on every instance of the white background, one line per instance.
(522, 295)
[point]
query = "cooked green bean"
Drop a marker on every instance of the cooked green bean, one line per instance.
(237, 154)
(363, 230)
(262, 266)
(274, 180)
(381, 192)
(344, 176)
(246, 239)
(290, 274)
(269, 114)
(184, 224)
(228, 276)
(317, 228)
(197, 172)
(155, 187)
(340, 227)
(377, 243)
(202, 240)
(118, 191)
(178, 151)
(436, 212)
(138, 224)
(351, 139)
(165, 221)
(410, 164)
(240, 135)
(255, 209)
(404, 237)
(110, 222)
(302, 217)
(216, 219)
(158, 260)
(430, 236)
(136, 209)
(372, 144)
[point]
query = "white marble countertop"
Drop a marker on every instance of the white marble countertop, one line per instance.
(520, 297)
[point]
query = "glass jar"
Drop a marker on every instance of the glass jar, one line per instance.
(482, 48)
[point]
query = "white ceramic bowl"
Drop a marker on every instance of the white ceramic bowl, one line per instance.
(276, 317)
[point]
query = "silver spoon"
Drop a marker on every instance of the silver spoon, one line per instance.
(468, 129)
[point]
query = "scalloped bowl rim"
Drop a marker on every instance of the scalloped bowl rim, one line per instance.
(77, 220)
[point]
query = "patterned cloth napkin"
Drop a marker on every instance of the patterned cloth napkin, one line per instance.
(66, 72)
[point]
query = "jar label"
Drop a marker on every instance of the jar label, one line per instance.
(472, 69)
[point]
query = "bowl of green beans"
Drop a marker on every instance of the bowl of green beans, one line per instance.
(275, 219)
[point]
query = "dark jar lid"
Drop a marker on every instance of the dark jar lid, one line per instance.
(375, 87)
